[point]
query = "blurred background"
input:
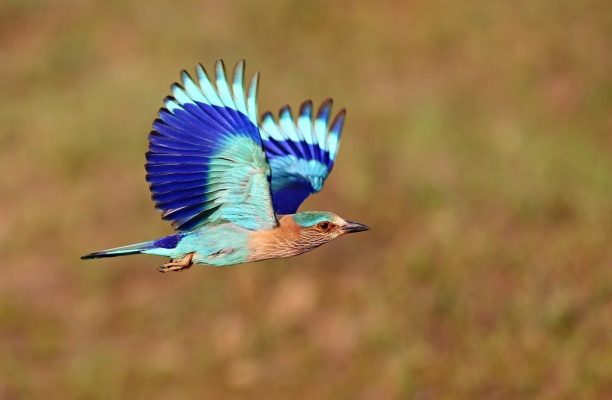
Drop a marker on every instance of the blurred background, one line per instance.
(478, 147)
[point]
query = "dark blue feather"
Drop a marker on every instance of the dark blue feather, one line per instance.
(196, 220)
(184, 215)
(159, 169)
(155, 179)
(280, 149)
(164, 145)
(288, 199)
(170, 158)
(185, 201)
(179, 193)
(168, 242)
(215, 118)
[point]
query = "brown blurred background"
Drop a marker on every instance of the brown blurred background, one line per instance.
(478, 146)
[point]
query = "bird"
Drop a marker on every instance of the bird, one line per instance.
(231, 184)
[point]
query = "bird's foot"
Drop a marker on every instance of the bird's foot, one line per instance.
(177, 265)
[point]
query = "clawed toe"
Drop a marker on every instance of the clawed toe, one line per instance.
(177, 265)
(170, 267)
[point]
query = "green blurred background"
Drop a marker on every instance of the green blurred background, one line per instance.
(478, 146)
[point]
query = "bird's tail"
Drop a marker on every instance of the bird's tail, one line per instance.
(120, 251)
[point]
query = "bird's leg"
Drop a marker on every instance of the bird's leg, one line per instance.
(178, 264)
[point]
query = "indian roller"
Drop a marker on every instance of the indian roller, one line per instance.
(231, 185)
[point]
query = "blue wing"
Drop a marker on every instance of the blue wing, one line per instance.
(205, 161)
(301, 152)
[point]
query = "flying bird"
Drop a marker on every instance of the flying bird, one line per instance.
(231, 185)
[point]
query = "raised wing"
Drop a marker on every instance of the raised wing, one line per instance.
(301, 152)
(205, 161)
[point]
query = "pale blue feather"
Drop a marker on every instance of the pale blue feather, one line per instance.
(238, 88)
(222, 86)
(252, 99)
(207, 88)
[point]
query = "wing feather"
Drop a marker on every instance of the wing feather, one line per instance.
(205, 161)
(301, 152)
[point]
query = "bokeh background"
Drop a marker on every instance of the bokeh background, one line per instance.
(478, 146)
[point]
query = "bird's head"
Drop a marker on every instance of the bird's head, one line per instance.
(319, 227)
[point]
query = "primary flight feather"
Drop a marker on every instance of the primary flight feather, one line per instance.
(231, 186)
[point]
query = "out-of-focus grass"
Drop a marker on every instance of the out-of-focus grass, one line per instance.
(478, 146)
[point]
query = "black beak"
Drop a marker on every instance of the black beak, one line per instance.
(351, 227)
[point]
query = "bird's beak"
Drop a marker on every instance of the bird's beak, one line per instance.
(351, 227)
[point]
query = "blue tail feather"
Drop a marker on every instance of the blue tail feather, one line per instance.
(168, 242)
(120, 251)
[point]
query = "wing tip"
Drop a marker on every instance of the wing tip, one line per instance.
(184, 74)
(338, 120)
(267, 116)
(240, 64)
(338, 124)
(220, 70)
(200, 70)
(325, 109)
(327, 103)
(254, 85)
(306, 105)
(285, 111)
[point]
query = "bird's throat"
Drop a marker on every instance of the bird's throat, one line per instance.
(282, 241)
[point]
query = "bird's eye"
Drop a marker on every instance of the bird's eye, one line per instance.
(324, 226)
